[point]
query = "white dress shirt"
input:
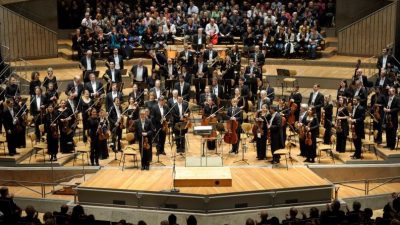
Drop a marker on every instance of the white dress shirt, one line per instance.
(116, 60)
(38, 101)
(139, 74)
(88, 64)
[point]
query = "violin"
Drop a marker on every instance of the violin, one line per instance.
(257, 128)
(353, 130)
(210, 120)
(54, 129)
(103, 132)
(308, 136)
(146, 144)
(164, 125)
(292, 116)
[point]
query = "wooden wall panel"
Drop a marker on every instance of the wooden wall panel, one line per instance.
(370, 34)
(25, 38)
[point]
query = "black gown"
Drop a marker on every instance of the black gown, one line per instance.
(328, 123)
(341, 135)
(261, 139)
(84, 107)
(52, 140)
(66, 134)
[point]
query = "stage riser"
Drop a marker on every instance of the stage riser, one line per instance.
(211, 204)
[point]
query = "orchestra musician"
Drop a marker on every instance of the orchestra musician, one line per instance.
(171, 71)
(112, 96)
(21, 119)
(144, 129)
(357, 120)
(341, 125)
(275, 130)
(327, 111)
(258, 57)
(104, 126)
(210, 111)
(391, 110)
(228, 75)
(93, 126)
(37, 110)
(207, 94)
(50, 78)
(300, 129)
(87, 64)
(160, 123)
(94, 86)
(117, 59)
(200, 70)
(10, 122)
(75, 87)
(174, 98)
(378, 100)
(157, 90)
(2, 108)
(210, 55)
(158, 59)
(362, 78)
(198, 40)
(35, 82)
(151, 102)
(12, 89)
(383, 81)
(241, 100)
(180, 114)
(252, 74)
(52, 131)
(284, 110)
(132, 112)
(312, 127)
(384, 60)
(344, 90)
(139, 72)
(115, 118)
(112, 76)
(297, 98)
(51, 94)
(316, 100)
(187, 75)
(235, 113)
(66, 134)
(261, 119)
(85, 107)
(137, 95)
(183, 88)
(185, 57)
(361, 92)
(217, 89)
(243, 89)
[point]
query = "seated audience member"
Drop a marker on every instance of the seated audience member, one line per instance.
(191, 220)
(12, 212)
(31, 216)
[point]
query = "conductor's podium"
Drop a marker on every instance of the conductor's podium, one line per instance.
(203, 177)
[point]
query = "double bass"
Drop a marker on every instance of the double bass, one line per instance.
(230, 136)
(292, 117)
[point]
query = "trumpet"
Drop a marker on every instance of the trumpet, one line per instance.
(213, 61)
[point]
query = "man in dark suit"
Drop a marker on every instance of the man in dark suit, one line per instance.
(244, 89)
(112, 75)
(316, 100)
(186, 56)
(9, 122)
(270, 92)
(200, 70)
(198, 40)
(217, 89)
(183, 88)
(179, 113)
(171, 72)
(174, 99)
(361, 92)
(94, 87)
(362, 78)
(144, 128)
(204, 96)
(258, 57)
(210, 54)
(87, 63)
(117, 59)
(187, 74)
(157, 89)
(139, 72)
(157, 59)
(383, 81)
(252, 74)
(275, 128)
(357, 118)
(158, 116)
(112, 95)
(391, 115)
(263, 100)
(75, 88)
(235, 113)
(37, 110)
(137, 94)
(115, 118)
(385, 60)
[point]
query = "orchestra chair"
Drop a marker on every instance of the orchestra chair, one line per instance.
(283, 152)
(328, 149)
(290, 81)
(130, 150)
(3, 142)
(320, 138)
(245, 135)
(368, 144)
(82, 149)
(398, 140)
(37, 147)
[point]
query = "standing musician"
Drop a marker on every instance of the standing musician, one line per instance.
(2, 108)
(312, 127)
(94, 127)
(137, 95)
(157, 90)
(10, 121)
(210, 55)
(391, 118)
(362, 78)
(243, 88)
(180, 114)
(151, 102)
(296, 97)
(327, 112)
(87, 64)
(341, 125)
(263, 100)
(210, 112)
(94, 87)
(284, 110)
(110, 98)
(112, 76)
(301, 129)
(50, 78)
(51, 95)
(75, 88)
(21, 119)
(132, 113)
(12, 89)
(361, 92)
(157, 59)
(117, 59)
(174, 99)
(66, 134)
(241, 100)
(35, 82)
(198, 40)
(258, 57)
(217, 89)
(144, 129)
(105, 133)
(252, 74)
(275, 129)
(115, 118)
(378, 101)
(235, 56)
(235, 113)
(185, 57)
(261, 120)
(183, 88)
(52, 131)
(74, 108)
(85, 107)
(139, 72)
(171, 71)
(228, 75)
(160, 123)
(200, 70)
(187, 74)
(37, 110)
(207, 94)
(344, 90)
(316, 100)
(383, 80)
(357, 126)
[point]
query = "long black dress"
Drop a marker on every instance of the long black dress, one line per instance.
(328, 123)
(52, 138)
(84, 107)
(261, 139)
(341, 135)
(313, 124)
(102, 144)
(93, 126)
(66, 134)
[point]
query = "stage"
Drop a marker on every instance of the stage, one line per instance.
(252, 188)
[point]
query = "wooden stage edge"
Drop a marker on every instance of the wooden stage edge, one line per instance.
(251, 188)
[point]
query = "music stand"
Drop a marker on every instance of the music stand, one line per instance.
(180, 126)
(281, 74)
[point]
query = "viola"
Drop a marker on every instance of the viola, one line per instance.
(257, 128)
(103, 132)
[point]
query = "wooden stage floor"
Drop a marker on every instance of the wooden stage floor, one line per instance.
(244, 179)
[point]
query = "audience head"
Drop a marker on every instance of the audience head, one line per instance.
(191, 220)
(250, 221)
(172, 219)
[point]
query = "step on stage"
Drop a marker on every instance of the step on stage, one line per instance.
(228, 188)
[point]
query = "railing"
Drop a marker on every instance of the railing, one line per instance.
(370, 34)
(367, 182)
(26, 38)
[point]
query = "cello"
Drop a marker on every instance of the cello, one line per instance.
(292, 116)
(230, 136)
(211, 120)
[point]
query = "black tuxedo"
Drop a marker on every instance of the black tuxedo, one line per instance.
(195, 44)
(148, 128)
(386, 82)
(259, 58)
(116, 132)
(92, 62)
(186, 61)
(239, 118)
(203, 98)
(174, 71)
(162, 91)
(11, 133)
(137, 96)
(145, 73)
(34, 110)
(245, 91)
(120, 60)
(185, 91)
(318, 103)
(110, 100)
(207, 54)
(364, 79)
(187, 77)
(389, 60)
(220, 91)
(156, 118)
(117, 76)
(88, 86)
(160, 60)
(359, 116)
(71, 89)
(171, 102)
(276, 133)
(271, 93)
(391, 130)
(363, 94)
(180, 142)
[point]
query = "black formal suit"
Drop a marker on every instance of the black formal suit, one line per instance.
(195, 44)
(188, 60)
(206, 55)
(328, 122)
(218, 91)
(176, 118)
(344, 92)
(174, 71)
(392, 124)
(162, 91)
(200, 83)
(378, 99)
(252, 81)
(35, 111)
(187, 77)
(276, 134)
(297, 97)
(159, 59)
(72, 89)
(11, 133)
(363, 94)
(271, 93)
(137, 96)
(318, 103)
(389, 60)
(12, 91)
(116, 131)
(359, 115)
(110, 99)
(364, 80)
(239, 118)
(203, 98)
(134, 72)
(88, 86)
(244, 91)
(259, 58)
(111, 58)
(171, 102)
(156, 118)
(117, 76)
(183, 90)
(147, 128)
(385, 82)
(261, 102)
(84, 63)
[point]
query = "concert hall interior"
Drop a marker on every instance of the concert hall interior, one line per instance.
(225, 112)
